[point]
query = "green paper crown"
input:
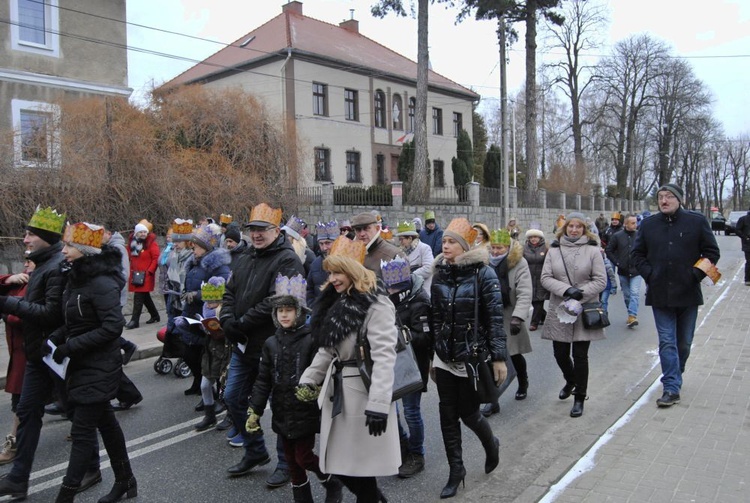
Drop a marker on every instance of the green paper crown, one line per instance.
(500, 237)
(48, 219)
(213, 290)
(406, 226)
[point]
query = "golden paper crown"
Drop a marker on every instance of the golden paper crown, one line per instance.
(225, 218)
(264, 214)
(181, 227)
(463, 228)
(345, 247)
(48, 219)
(84, 234)
(148, 224)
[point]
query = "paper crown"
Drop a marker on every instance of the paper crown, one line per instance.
(500, 237)
(386, 234)
(395, 271)
(429, 215)
(148, 224)
(406, 229)
(84, 236)
(225, 219)
(213, 289)
(294, 226)
(345, 247)
(329, 230)
(181, 229)
(295, 287)
(264, 215)
(462, 228)
(207, 236)
(345, 224)
(617, 215)
(47, 219)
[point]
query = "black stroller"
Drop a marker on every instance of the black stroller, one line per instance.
(173, 348)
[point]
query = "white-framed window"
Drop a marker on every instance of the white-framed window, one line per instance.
(35, 26)
(36, 142)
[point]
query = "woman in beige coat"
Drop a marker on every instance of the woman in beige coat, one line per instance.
(573, 269)
(358, 434)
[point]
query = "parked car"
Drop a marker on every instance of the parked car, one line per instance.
(731, 224)
(718, 223)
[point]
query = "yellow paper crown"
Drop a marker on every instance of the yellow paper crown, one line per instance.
(180, 226)
(48, 219)
(463, 228)
(84, 234)
(266, 214)
(225, 218)
(345, 247)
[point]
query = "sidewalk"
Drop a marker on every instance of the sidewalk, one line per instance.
(696, 451)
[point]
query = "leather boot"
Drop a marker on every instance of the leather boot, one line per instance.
(567, 390)
(577, 410)
(451, 430)
(302, 493)
(125, 483)
(523, 387)
(209, 419)
(334, 488)
(481, 427)
(67, 494)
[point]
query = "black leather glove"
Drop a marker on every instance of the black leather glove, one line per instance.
(573, 293)
(376, 422)
(46, 349)
(3, 300)
(233, 333)
(697, 273)
(515, 325)
(61, 352)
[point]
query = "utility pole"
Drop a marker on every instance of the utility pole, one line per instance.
(504, 117)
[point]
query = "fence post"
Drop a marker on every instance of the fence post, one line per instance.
(514, 198)
(542, 198)
(563, 201)
(327, 198)
(473, 194)
(578, 202)
(397, 194)
(592, 203)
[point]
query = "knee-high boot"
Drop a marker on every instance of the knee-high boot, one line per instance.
(66, 494)
(481, 427)
(302, 493)
(451, 430)
(125, 483)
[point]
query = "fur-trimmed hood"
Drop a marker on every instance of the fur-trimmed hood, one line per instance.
(214, 259)
(336, 315)
(478, 255)
(515, 253)
(108, 262)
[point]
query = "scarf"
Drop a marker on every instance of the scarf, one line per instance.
(337, 315)
(136, 246)
(501, 269)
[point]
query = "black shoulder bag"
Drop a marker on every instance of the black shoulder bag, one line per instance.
(594, 316)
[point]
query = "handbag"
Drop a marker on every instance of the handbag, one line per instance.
(406, 376)
(594, 316)
(139, 278)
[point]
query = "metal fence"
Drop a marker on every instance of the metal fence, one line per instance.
(528, 198)
(374, 195)
(310, 195)
(441, 195)
(571, 202)
(490, 197)
(555, 199)
(586, 203)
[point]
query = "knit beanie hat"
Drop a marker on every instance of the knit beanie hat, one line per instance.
(233, 232)
(140, 228)
(674, 189)
(207, 236)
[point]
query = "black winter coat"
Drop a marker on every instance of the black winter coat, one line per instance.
(250, 288)
(665, 249)
(241, 248)
(413, 311)
(535, 256)
(433, 238)
(454, 290)
(743, 231)
(41, 306)
(619, 248)
(315, 279)
(93, 325)
(285, 356)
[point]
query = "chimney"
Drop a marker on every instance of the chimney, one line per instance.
(293, 7)
(350, 24)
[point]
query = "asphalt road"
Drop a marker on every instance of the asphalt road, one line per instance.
(539, 441)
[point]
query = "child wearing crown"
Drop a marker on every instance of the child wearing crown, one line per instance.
(285, 356)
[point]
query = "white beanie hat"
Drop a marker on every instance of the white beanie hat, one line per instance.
(140, 228)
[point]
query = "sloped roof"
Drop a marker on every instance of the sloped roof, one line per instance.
(314, 39)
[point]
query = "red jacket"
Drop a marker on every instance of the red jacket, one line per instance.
(14, 336)
(147, 260)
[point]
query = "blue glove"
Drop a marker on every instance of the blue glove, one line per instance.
(376, 422)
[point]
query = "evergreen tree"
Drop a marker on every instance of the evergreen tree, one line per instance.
(406, 162)
(493, 163)
(463, 164)
(479, 133)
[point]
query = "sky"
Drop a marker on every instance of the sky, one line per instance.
(714, 36)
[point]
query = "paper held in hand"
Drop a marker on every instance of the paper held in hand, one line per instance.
(59, 368)
(707, 267)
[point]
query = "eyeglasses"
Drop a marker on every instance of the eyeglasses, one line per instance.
(254, 228)
(666, 197)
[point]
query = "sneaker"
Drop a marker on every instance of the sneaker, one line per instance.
(8, 454)
(668, 399)
(413, 465)
(232, 433)
(632, 321)
(18, 491)
(237, 441)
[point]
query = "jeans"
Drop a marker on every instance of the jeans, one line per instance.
(240, 379)
(413, 417)
(87, 418)
(676, 327)
(631, 291)
(604, 299)
(575, 371)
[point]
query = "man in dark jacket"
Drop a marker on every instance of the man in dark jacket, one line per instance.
(618, 252)
(327, 234)
(367, 228)
(666, 248)
(743, 232)
(247, 323)
(432, 234)
(614, 225)
(41, 312)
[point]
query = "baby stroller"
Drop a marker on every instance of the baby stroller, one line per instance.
(173, 348)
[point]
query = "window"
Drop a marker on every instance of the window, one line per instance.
(412, 111)
(35, 142)
(379, 109)
(380, 168)
(437, 121)
(353, 174)
(438, 173)
(458, 124)
(322, 165)
(35, 26)
(351, 104)
(320, 99)
(397, 116)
